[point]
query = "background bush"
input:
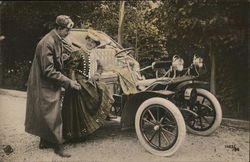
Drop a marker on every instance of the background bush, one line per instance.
(156, 29)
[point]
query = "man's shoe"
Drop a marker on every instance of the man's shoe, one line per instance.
(60, 151)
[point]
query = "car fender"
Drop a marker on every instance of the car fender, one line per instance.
(134, 101)
(192, 84)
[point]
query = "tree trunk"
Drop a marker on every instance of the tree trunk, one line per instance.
(136, 45)
(213, 66)
(121, 18)
(1, 60)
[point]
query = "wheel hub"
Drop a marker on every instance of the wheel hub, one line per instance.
(157, 127)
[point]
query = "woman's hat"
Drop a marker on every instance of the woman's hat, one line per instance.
(64, 21)
(93, 35)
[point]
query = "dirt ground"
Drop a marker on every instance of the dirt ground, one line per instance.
(110, 144)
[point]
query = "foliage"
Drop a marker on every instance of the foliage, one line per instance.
(185, 28)
(17, 76)
(142, 31)
(155, 28)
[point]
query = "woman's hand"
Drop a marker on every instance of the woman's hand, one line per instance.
(96, 76)
(65, 56)
(75, 85)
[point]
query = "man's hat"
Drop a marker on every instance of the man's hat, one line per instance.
(64, 21)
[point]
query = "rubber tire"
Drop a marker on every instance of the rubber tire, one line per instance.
(218, 113)
(178, 117)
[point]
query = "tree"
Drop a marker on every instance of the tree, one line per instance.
(216, 31)
(121, 18)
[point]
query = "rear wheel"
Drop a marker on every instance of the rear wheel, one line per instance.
(160, 126)
(209, 114)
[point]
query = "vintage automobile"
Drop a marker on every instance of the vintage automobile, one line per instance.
(161, 108)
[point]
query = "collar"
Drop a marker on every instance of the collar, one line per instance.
(58, 35)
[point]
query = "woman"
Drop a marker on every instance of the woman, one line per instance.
(84, 111)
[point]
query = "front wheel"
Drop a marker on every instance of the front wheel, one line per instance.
(160, 126)
(209, 114)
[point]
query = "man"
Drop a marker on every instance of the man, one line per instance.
(43, 111)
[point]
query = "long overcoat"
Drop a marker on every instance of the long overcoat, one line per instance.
(43, 109)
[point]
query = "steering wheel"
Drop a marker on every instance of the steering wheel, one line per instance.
(129, 50)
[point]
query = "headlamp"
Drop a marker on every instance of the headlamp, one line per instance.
(198, 61)
(177, 63)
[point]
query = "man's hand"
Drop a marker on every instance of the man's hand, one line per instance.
(75, 85)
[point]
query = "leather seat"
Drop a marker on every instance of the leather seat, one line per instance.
(106, 57)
